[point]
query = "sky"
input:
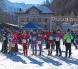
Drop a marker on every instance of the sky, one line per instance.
(29, 1)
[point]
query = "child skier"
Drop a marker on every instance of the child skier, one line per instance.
(14, 45)
(50, 43)
(40, 39)
(25, 44)
(34, 38)
(10, 42)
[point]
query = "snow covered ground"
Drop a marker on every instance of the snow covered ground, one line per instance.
(36, 62)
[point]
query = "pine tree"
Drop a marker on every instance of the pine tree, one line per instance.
(64, 7)
(72, 13)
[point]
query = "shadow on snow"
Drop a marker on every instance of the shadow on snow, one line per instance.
(70, 60)
(16, 58)
(34, 61)
(44, 58)
(50, 60)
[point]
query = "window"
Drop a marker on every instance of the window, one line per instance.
(39, 19)
(45, 26)
(33, 20)
(27, 19)
(22, 19)
(46, 19)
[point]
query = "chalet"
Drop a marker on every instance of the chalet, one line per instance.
(38, 14)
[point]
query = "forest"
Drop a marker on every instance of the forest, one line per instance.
(63, 7)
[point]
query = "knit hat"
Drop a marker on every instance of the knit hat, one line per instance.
(68, 30)
(58, 30)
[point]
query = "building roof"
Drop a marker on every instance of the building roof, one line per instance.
(42, 9)
(66, 24)
(31, 25)
(75, 26)
(12, 25)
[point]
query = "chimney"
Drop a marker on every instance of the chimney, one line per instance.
(20, 9)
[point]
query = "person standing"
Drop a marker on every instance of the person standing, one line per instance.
(10, 34)
(57, 42)
(40, 39)
(45, 35)
(73, 35)
(50, 43)
(30, 33)
(28, 37)
(34, 43)
(14, 44)
(25, 44)
(68, 40)
(5, 41)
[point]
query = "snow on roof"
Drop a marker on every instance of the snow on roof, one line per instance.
(12, 24)
(43, 9)
(66, 24)
(75, 26)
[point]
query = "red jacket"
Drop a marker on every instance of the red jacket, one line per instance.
(45, 34)
(50, 41)
(25, 44)
(50, 33)
(24, 40)
(27, 36)
(40, 39)
(59, 34)
(34, 37)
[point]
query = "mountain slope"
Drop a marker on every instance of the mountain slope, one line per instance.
(13, 7)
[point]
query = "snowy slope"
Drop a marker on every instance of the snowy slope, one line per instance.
(14, 7)
(37, 62)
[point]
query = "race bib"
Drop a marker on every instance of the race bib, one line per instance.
(10, 39)
(34, 38)
(39, 42)
(24, 41)
(68, 40)
(50, 38)
(30, 37)
(44, 35)
(4, 38)
(13, 45)
(57, 39)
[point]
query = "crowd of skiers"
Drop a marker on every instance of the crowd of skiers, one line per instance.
(35, 39)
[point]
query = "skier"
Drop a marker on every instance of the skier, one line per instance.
(73, 35)
(14, 45)
(45, 35)
(50, 43)
(68, 40)
(30, 40)
(25, 44)
(40, 39)
(57, 42)
(27, 37)
(5, 41)
(34, 43)
(10, 34)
